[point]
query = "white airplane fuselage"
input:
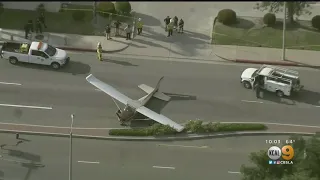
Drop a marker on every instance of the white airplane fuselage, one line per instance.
(128, 112)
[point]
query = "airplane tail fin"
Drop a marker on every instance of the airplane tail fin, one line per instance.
(158, 84)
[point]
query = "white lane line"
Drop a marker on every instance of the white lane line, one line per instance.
(173, 145)
(252, 101)
(233, 172)
(89, 162)
(97, 89)
(318, 106)
(24, 106)
(278, 124)
(7, 83)
(163, 167)
(60, 127)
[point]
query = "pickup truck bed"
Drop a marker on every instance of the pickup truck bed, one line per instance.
(13, 47)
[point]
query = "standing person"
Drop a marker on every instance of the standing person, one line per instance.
(38, 26)
(139, 26)
(28, 28)
(167, 21)
(258, 83)
(128, 32)
(117, 24)
(42, 19)
(175, 20)
(181, 24)
(108, 31)
(170, 27)
(99, 51)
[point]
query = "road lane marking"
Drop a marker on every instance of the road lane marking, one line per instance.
(233, 172)
(89, 162)
(24, 106)
(7, 83)
(163, 167)
(173, 145)
(279, 124)
(97, 90)
(58, 127)
(318, 106)
(252, 101)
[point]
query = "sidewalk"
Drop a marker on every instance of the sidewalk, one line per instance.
(72, 42)
(260, 55)
(104, 133)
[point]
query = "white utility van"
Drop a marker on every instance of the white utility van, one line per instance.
(34, 52)
(279, 80)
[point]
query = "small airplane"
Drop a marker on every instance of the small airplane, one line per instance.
(134, 107)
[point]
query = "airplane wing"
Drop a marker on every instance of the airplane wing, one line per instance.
(108, 89)
(159, 118)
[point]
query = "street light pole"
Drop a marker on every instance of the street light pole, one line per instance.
(70, 149)
(284, 32)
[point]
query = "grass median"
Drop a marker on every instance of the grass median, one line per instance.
(251, 32)
(194, 127)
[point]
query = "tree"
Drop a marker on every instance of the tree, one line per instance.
(293, 8)
(306, 163)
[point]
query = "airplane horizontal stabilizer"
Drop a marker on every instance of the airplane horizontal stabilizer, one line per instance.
(146, 88)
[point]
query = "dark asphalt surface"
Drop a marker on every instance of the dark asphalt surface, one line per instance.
(40, 158)
(211, 92)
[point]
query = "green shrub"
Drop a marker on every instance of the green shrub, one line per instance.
(78, 15)
(269, 19)
(191, 127)
(316, 22)
(195, 126)
(123, 7)
(41, 8)
(105, 8)
(227, 17)
(240, 127)
(155, 130)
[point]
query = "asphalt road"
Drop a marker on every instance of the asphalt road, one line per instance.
(211, 92)
(47, 158)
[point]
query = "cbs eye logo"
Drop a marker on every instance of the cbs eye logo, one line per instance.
(286, 152)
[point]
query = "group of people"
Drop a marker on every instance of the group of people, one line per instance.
(173, 23)
(127, 29)
(29, 27)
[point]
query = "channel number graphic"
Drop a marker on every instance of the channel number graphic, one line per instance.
(286, 152)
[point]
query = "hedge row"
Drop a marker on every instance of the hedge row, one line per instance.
(154, 130)
(229, 17)
(190, 127)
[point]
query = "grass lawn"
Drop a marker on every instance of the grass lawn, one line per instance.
(60, 22)
(249, 32)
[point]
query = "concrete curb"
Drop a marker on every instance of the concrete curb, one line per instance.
(94, 50)
(172, 138)
(280, 63)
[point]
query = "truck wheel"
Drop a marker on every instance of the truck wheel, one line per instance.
(246, 85)
(279, 93)
(13, 60)
(55, 65)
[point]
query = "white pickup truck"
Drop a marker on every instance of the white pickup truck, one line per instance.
(34, 52)
(283, 82)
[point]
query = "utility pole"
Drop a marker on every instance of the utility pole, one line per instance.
(284, 32)
(70, 149)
